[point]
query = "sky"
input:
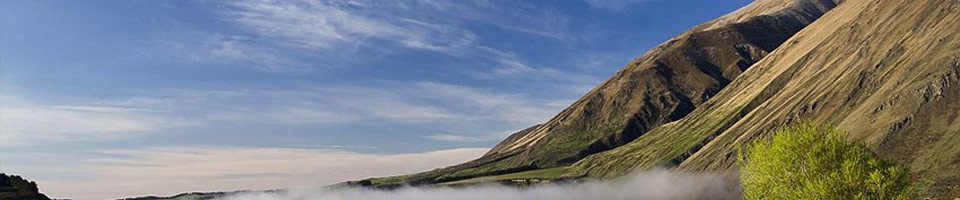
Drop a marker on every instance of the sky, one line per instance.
(163, 97)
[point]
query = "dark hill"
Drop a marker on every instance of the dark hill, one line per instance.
(13, 187)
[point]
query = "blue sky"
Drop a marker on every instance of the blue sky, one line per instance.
(111, 91)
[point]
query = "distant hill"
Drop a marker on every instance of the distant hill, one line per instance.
(13, 187)
(190, 196)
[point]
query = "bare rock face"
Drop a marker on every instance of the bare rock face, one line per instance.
(885, 71)
(661, 86)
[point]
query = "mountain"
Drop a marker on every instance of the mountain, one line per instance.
(661, 86)
(884, 71)
(887, 72)
(13, 187)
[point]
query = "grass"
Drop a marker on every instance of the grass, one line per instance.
(390, 179)
(657, 147)
(541, 174)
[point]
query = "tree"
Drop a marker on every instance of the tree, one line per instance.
(808, 161)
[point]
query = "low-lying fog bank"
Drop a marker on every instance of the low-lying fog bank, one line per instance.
(652, 184)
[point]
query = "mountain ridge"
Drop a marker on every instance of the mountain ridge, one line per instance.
(885, 72)
(663, 85)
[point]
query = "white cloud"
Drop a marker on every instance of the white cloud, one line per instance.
(335, 24)
(396, 102)
(512, 108)
(461, 138)
(172, 170)
(217, 49)
(302, 36)
(337, 147)
(102, 109)
(520, 16)
(444, 108)
(350, 104)
(24, 122)
(468, 111)
(508, 65)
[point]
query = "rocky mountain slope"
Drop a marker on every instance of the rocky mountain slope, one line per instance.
(885, 71)
(661, 86)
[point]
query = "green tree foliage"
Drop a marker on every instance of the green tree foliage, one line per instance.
(808, 161)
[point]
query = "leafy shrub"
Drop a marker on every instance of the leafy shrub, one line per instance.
(808, 161)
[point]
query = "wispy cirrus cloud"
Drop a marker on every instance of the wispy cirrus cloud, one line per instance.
(322, 34)
(332, 25)
(397, 102)
(24, 121)
(446, 108)
(419, 103)
(471, 138)
(512, 108)
(519, 16)
(463, 138)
